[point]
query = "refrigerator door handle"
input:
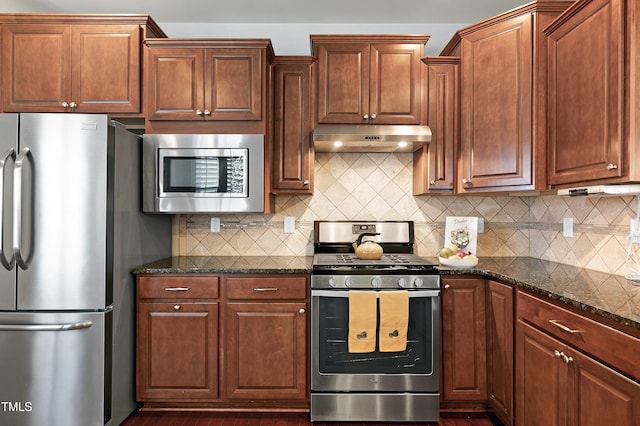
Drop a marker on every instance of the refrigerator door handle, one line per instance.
(21, 260)
(46, 327)
(7, 263)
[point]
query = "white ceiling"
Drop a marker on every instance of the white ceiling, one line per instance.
(281, 20)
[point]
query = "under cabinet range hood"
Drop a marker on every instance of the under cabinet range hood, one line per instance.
(601, 190)
(369, 138)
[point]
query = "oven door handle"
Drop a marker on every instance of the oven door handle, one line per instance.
(340, 293)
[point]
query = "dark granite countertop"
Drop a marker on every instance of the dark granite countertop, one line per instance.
(228, 265)
(610, 296)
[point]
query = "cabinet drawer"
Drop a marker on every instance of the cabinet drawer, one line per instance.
(599, 340)
(178, 287)
(267, 288)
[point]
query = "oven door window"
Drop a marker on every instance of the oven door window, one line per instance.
(335, 358)
(218, 172)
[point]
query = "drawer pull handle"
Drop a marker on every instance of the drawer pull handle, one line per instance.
(176, 307)
(563, 327)
(177, 289)
(265, 289)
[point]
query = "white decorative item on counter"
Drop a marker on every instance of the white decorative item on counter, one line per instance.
(460, 242)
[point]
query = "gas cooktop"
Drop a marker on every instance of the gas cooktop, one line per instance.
(346, 261)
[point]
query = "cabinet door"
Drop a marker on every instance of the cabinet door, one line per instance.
(541, 379)
(464, 345)
(586, 94)
(434, 165)
(177, 351)
(600, 395)
(106, 68)
(500, 318)
(233, 84)
(343, 83)
(36, 67)
(266, 350)
(175, 84)
(293, 121)
(496, 107)
(395, 84)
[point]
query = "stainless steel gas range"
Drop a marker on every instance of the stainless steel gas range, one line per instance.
(374, 326)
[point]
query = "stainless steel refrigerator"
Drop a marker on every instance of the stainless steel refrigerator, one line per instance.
(71, 229)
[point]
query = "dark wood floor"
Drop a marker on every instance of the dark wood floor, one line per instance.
(169, 418)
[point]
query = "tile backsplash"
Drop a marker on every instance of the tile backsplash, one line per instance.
(379, 187)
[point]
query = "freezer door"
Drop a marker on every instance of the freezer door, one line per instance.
(52, 369)
(8, 147)
(62, 211)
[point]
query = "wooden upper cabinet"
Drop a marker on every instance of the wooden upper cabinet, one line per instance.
(176, 84)
(62, 63)
(434, 165)
(208, 80)
(592, 95)
(369, 79)
(293, 153)
(503, 79)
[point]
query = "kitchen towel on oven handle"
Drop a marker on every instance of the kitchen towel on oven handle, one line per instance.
(394, 320)
(363, 321)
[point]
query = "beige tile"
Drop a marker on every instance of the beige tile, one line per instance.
(378, 187)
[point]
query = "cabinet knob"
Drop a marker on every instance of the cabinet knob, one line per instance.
(446, 286)
(366, 116)
(65, 104)
(301, 311)
(198, 112)
(73, 105)
(176, 307)
(305, 183)
(612, 166)
(432, 182)
(466, 181)
(207, 112)
(373, 116)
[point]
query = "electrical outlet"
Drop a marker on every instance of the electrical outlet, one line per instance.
(289, 224)
(214, 225)
(567, 227)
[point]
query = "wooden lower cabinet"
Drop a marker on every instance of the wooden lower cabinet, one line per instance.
(222, 341)
(464, 342)
(177, 339)
(266, 350)
(266, 341)
(500, 318)
(559, 384)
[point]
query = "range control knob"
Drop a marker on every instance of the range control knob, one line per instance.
(347, 282)
(332, 282)
(418, 282)
(402, 282)
(376, 282)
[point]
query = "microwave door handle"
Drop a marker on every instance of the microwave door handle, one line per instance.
(21, 260)
(7, 263)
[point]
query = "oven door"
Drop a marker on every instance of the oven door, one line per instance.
(334, 368)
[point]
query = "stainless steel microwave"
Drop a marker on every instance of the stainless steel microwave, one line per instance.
(203, 173)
